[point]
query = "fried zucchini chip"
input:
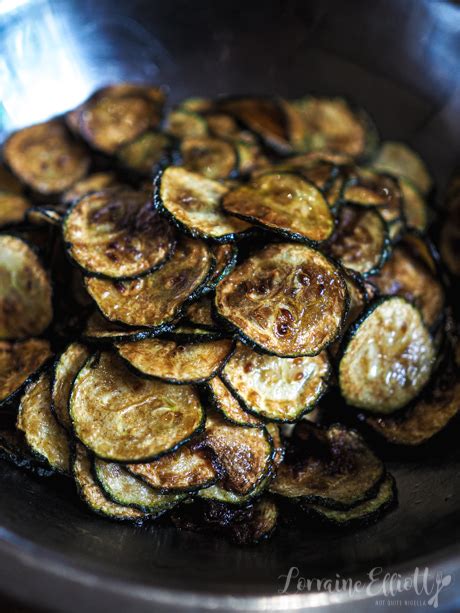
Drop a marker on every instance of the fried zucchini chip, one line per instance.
(118, 114)
(284, 203)
(278, 389)
(95, 182)
(13, 208)
(332, 467)
(288, 299)
(18, 363)
(117, 233)
(388, 357)
(66, 368)
(360, 242)
(227, 404)
(186, 470)
(175, 362)
(156, 300)
(144, 154)
(25, 291)
(120, 486)
(401, 161)
(46, 438)
(126, 418)
(182, 123)
(193, 202)
(213, 158)
(46, 157)
(98, 330)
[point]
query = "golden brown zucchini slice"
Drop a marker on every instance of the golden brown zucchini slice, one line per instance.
(362, 513)
(123, 417)
(260, 526)
(175, 362)
(182, 123)
(288, 299)
(193, 202)
(284, 203)
(25, 291)
(117, 115)
(117, 233)
(18, 362)
(46, 157)
(401, 161)
(333, 467)
(406, 275)
(186, 470)
(13, 208)
(388, 358)
(144, 154)
(278, 389)
(66, 368)
(414, 207)
(95, 182)
(120, 486)
(224, 401)
(213, 158)
(93, 495)
(360, 242)
(43, 433)
(244, 454)
(368, 188)
(156, 300)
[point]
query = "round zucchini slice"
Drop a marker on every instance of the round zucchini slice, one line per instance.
(406, 275)
(278, 389)
(18, 362)
(333, 467)
(388, 358)
(126, 418)
(156, 300)
(401, 161)
(66, 368)
(120, 486)
(186, 470)
(13, 208)
(93, 495)
(117, 115)
(284, 203)
(95, 182)
(225, 261)
(414, 207)
(117, 233)
(364, 512)
(43, 433)
(213, 158)
(177, 363)
(245, 454)
(144, 154)
(182, 123)
(25, 291)
(100, 330)
(46, 157)
(193, 202)
(289, 300)
(224, 401)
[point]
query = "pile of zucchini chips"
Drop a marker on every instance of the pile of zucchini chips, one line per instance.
(180, 291)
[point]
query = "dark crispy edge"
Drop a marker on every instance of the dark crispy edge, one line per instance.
(31, 464)
(231, 263)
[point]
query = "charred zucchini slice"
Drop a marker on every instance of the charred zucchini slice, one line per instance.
(126, 418)
(92, 183)
(284, 203)
(186, 470)
(332, 466)
(46, 157)
(278, 389)
(13, 208)
(368, 188)
(93, 495)
(144, 154)
(117, 233)
(225, 257)
(156, 300)
(193, 202)
(360, 241)
(213, 158)
(66, 368)
(18, 362)
(25, 291)
(120, 486)
(224, 401)
(401, 161)
(182, 123)
(406, 275)
(388, 358)
(244, 454)
(260, 526)
(99, 330)
(117, 115)
(43, 433)
(414, 206)
(362, 513)
(177, 363)
(288, 299)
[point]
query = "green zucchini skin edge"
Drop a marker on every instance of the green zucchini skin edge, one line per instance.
(184, 337)
(108, 340)
(212, 399)
(226, 270)
(252, 496)
(33, 464)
